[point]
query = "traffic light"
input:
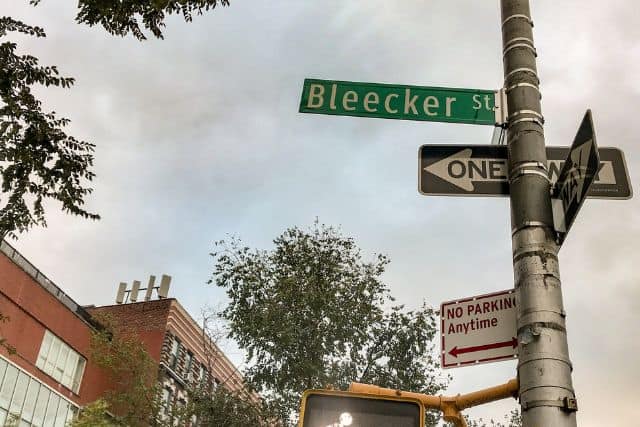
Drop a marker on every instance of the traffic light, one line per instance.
(330, 408)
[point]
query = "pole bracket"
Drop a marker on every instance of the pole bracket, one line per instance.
(568, 404)
(528, 119)
(519, 39)
(529, 168)
(520, 172)
(520, 45)
(533, 163)
(522, 70)
(527, 224)
(523, 84)
(518, 16)
(532, 112)
(523, 360)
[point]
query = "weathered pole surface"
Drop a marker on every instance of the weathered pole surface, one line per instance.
(544, 369)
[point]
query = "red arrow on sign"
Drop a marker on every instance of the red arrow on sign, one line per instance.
(455, 351)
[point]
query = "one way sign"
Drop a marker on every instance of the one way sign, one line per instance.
(481, 170)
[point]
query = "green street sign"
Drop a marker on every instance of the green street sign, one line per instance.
(401, 102)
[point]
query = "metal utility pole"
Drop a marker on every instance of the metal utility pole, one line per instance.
(544, 369)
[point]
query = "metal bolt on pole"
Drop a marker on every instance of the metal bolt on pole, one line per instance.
(546, 393)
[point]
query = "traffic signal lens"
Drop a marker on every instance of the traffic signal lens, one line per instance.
(321, 410)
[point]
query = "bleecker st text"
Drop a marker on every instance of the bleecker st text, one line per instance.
(398, 102)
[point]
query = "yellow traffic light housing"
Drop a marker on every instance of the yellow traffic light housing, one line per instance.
(332, 408)
(366, 405)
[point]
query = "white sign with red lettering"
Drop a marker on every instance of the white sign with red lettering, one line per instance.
(479, 329)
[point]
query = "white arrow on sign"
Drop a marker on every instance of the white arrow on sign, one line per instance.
(458, 169)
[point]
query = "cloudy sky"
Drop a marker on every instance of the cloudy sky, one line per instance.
(198, 137)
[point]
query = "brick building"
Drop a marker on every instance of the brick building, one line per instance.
(50, 376)
(185, 354)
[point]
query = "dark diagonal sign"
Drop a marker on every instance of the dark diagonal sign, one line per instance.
(577, 174)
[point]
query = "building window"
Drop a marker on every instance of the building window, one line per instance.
(187, 365)
(175, 351)
(201, 374)
(167, 396)
(61, 362)
(26, 402)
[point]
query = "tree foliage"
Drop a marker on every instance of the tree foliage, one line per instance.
(312, 313)
(121, 17)
(38, 160)
(224, 408)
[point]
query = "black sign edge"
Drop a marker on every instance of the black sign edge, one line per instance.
(626, 174)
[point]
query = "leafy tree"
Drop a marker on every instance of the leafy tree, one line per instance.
(312, 313)
(224, 408)
(38, 160)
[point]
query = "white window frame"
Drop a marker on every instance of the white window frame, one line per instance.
(52, 360)
(175, 353)
(63, 412)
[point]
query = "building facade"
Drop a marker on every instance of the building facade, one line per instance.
(46, 371)
(186, 355)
